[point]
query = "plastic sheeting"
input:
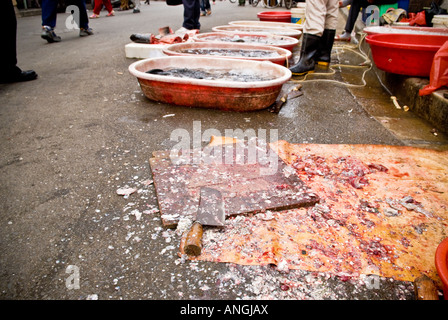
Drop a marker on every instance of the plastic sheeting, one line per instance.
(383, 210)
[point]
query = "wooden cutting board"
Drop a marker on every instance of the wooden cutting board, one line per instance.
(248, 183)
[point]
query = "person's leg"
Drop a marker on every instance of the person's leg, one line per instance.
(97, 9)
(353, 14)
(312, 32)
(83, 17)
(9, 72)
(8, 22)
(315, 17)
(192, 12)
(136, 6)
(331, 18)
(202, 4)
(49, 13)
(109, 7)
(323, 56)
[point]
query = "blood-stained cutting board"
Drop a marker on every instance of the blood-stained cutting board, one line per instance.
(250, 176)
(383, 210)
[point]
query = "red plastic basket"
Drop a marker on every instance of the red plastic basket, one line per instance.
(405, 54)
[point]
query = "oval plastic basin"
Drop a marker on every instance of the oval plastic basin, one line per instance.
(250, 23)
(179, 49)
(285, 42)
(405, 54)
(215, 94)
(405, 30)
(260, 30)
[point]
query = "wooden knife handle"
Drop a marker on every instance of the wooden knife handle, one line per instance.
(425, 288)
(193, 241)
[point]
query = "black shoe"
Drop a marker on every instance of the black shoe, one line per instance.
(310, 45)
(323, 55)
(49, 35)
(136, 11)
(19, 76)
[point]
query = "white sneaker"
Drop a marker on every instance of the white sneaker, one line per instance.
(182, 30)
(346, 36)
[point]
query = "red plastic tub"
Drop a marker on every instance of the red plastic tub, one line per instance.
(230, 50)
(275, 16)
(442, 265)
(405, 54)
(214, 94)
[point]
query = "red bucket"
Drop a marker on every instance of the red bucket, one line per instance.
(405, 54)
(275, 16)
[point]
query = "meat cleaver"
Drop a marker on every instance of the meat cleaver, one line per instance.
(210, 213)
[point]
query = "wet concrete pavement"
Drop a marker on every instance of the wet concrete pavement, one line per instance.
(83, 129)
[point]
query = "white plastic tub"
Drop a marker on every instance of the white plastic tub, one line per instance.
(268, 24)
(248, 38)
(280, 56)
(259, 30)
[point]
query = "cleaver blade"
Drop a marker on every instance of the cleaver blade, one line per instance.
(211, 208)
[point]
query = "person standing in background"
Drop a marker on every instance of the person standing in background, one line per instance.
(136, 6)
(49, 14)
(192, 12)
(321, 19)
(205, 8)
(99, 5)
(9, 71)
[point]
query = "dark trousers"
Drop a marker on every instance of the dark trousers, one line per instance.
(192, 11)
(8, 22)
(205, 5)
(49, 12)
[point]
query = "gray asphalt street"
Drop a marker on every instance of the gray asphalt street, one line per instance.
(84, 129)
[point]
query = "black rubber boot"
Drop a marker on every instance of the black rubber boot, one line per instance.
(310, 45)
(323, 56)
